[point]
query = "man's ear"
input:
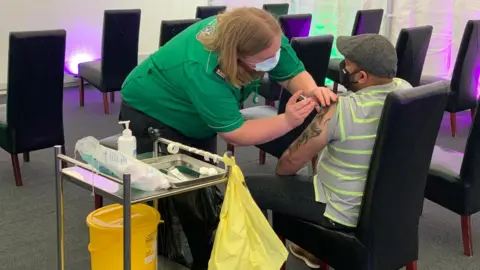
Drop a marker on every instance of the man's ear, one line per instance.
(362, 76)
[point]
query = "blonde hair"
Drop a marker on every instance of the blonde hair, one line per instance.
(239, 33)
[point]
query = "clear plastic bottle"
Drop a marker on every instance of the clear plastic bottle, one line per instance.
(127, 143)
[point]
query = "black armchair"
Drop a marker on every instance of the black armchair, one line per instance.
(412, 46)
(204, 12)
(387, 233)
(169, 29)
(366, 22)
(32, 118)
(297, 25)
(119, 55)
(454, 181)
(464, 82)
(314, 52)
(277, 9)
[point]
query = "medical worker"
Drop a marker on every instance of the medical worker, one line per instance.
(191, 90)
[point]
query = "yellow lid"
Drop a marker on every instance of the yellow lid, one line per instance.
(111, 217)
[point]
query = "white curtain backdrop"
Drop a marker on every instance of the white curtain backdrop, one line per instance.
(335, 17)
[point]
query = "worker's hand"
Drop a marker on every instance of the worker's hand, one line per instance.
(296, 112)
(323, 96)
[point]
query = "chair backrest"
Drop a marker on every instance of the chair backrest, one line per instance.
(367, 22)
(277, 9)
(314, 52)
(412, 46)
(169, 29)
(121, 30)
(466, 72)
(295, 25)
(204, 12)
(36, 62)
(470, 171)
(394, 191)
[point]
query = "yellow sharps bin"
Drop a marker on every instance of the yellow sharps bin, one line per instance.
(106, 237)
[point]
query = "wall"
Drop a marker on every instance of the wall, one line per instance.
(448, 18)
(83, 21)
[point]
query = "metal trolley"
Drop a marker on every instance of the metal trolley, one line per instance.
(119, 190)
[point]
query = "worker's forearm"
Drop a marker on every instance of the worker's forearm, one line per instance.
(303, 81)
(258, 131)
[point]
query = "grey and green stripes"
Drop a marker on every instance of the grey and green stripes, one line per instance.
(343, 165)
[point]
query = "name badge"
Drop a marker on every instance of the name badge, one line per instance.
(220, 73)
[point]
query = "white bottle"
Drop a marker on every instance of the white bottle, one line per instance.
(127, 143)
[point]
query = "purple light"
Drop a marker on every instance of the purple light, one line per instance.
(75, 59)
(478, 89)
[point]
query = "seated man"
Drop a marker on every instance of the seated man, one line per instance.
(344, 135)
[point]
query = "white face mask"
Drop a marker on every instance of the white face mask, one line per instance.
(268, 64)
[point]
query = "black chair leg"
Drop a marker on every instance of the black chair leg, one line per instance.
(82, 92)
(64, 163)
(262, 157)
(112, 97)
(412, 266)
(26, 157)
(270, 102)
(314, 164)
(284, 266)
(453, 124)
(98, 201)
(467, 236)
(16, 170)
(231, 148)
(106, 107)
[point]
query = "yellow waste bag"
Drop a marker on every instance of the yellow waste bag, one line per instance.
(244, 239)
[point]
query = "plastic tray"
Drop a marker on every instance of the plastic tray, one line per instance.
(166, 162)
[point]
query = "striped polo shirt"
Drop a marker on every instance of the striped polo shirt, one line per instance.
(343, 165)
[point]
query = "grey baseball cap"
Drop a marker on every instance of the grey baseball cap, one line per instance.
(373, 53)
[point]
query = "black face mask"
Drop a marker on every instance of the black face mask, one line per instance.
(346, 78)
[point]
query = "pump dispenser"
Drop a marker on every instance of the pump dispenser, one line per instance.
(127, 143)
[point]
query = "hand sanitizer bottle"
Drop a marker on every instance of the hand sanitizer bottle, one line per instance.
(127, 143)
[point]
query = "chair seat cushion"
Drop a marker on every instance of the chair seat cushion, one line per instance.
(427, 79)
(444, 186)
(111, 142)
(455, 103)
(446, 163)
(258, 112)
(334, 68)
(3, 114)
(91, 72)
(6, 139)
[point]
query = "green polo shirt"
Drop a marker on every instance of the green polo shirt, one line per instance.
(179, 86)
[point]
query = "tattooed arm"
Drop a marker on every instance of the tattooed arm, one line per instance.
(313, 139)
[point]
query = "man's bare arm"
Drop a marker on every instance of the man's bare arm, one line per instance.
(313, 139)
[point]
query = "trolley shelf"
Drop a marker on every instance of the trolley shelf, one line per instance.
(114, 191)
